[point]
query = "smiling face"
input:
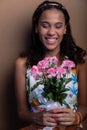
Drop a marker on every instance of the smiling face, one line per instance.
(51, 28)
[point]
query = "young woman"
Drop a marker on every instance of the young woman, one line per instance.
(51, 36)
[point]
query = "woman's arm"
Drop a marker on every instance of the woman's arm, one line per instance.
(20, 90)
(82, 83)
(42, 118)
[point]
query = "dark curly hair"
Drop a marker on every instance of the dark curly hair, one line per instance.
(68, 46)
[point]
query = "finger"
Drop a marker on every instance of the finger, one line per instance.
(48, 123)
(66, 115)
(49, 119)
(64, 110)
(66, 121)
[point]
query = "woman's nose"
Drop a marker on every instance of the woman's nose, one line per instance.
(51, 31)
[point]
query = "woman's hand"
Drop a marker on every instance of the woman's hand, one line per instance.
(64, 116)
(45, 118)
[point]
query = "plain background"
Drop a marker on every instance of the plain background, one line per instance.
(15, 20)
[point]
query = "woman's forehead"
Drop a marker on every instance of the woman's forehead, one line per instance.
(52, 14)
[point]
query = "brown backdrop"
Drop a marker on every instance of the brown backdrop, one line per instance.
(15, 17)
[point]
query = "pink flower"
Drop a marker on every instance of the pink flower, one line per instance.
(51, 72)
(35, 72)
(42, 65)
(48, 67)
(60, 70)
(52, 61)
(47, 59)
(68, 64)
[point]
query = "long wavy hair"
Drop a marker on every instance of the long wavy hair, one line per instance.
(68, 46)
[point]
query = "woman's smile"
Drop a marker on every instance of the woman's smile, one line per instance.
(51, 41)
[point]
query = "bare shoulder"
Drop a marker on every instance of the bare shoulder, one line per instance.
(83, 66)
(20, 64)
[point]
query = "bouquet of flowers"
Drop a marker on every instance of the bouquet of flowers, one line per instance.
(54, 77)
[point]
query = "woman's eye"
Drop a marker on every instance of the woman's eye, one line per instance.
(45, 25)
(59, 26)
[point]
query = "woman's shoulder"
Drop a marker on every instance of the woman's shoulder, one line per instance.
(82, 66)
(20, 63)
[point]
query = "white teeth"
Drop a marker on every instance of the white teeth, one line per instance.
(51, 39)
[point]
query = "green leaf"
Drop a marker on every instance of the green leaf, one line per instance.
(50, 95)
